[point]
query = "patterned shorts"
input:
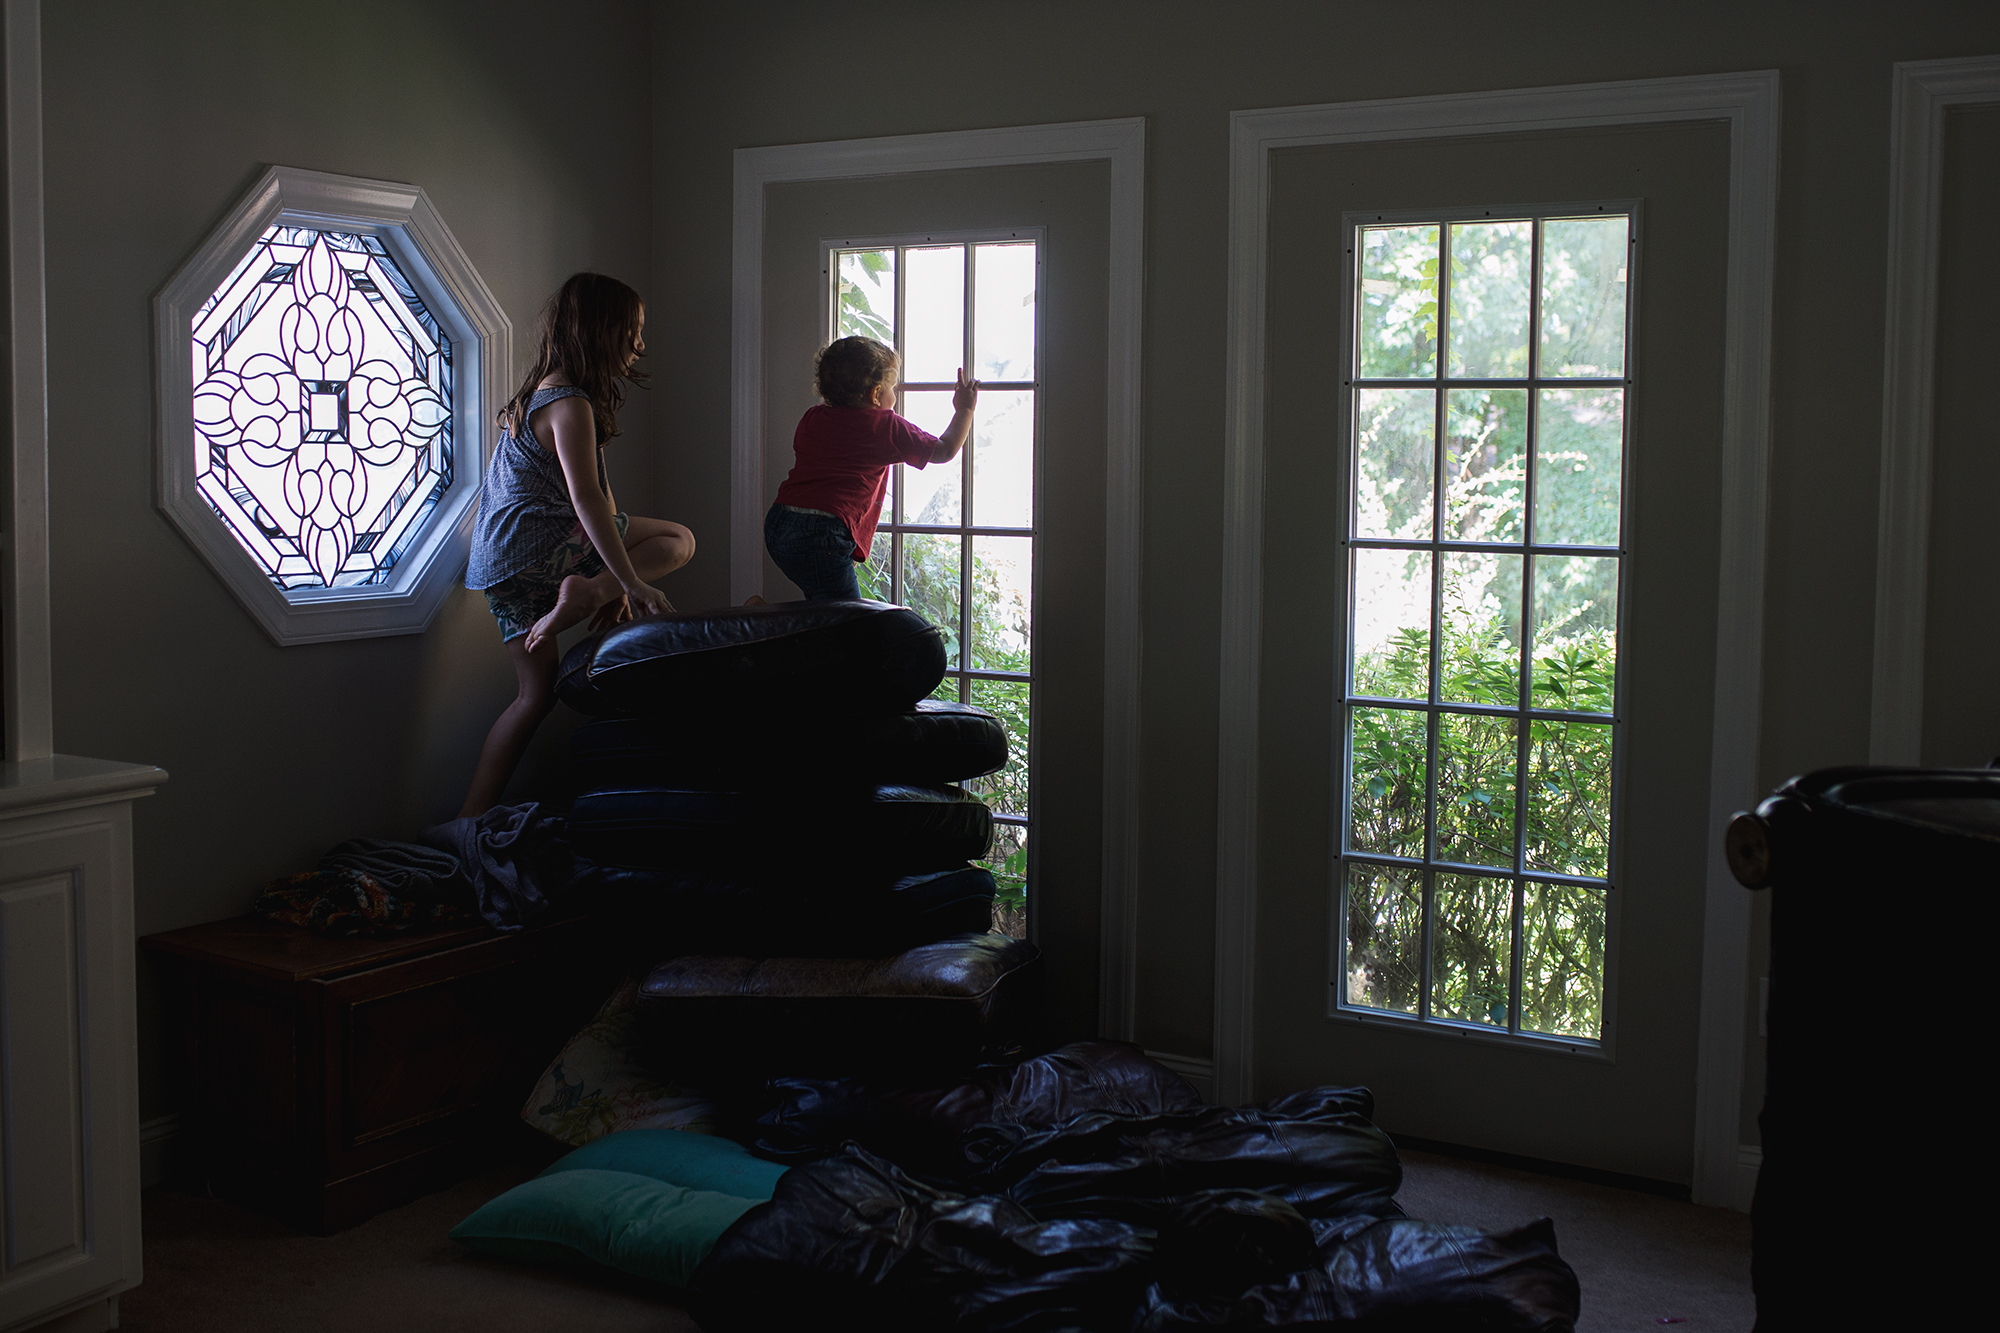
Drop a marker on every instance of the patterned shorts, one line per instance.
(519, 600)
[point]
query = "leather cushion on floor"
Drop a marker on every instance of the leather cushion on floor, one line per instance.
(933, 743)
(887, 828)
(855, 656)
(803, 911)
(935, 1006)
(922, 1125)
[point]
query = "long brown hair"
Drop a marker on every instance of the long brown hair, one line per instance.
(585, 334)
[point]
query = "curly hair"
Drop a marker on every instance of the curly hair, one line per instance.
(585, 333)
(846, 372)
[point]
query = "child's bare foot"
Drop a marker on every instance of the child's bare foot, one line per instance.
(577, 600)
(756, 599)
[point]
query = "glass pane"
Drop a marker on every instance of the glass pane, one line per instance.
(933, 314)
(1394, 433)
(1391, 772)
(1580, 436)
(1489, 299)
(1472, 941)
(1008, 861)
(1008, 700)
(1003, 581)
(931, 494)
(1562, 960)
(1481, 619)
(873, 574)
(1003, 312)
(950, 690)
(1385, 914)
(323, 416)
(865, 295)
(1576, 632)
(1583, 295)
(1485, 464)
(1003, 459)
(1475, 795)
(930, 584)
(1398, 302)
(1569, 797)
(1392, 623)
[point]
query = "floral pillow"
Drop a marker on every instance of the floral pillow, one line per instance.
(599, 1085)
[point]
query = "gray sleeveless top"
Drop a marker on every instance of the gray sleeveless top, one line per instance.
(524, 507)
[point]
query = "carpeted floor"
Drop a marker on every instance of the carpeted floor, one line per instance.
(212, 1267)
(1642, 1261)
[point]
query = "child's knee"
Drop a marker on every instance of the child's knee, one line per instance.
(676, 545)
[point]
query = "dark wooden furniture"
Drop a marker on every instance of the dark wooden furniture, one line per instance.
(323, 1080)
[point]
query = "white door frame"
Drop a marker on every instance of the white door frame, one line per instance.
(1748, 104)
(1923, 91)
(1122, 143)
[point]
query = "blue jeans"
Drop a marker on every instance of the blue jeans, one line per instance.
(814, 551)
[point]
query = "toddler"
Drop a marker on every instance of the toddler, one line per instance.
(824, 519)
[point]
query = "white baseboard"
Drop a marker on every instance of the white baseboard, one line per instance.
(1198, 1071)
(155, 1142)
(1749, 1160)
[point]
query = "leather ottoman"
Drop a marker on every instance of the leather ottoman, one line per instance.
(937, 1006)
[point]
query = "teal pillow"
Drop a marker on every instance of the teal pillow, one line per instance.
(634, 1223)
(697, 1161)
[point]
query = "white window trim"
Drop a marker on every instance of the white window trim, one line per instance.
(438, 268)
(1748, 103)
(1123, 144)
(1923, 91)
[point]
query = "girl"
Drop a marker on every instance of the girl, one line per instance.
(550, 549)
(824, 519)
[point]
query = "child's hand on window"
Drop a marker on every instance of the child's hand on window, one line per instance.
(966, 394)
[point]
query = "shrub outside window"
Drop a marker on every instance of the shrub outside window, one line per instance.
(1486, 551)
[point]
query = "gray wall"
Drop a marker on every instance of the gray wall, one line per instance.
(158, 117)
(789, 72)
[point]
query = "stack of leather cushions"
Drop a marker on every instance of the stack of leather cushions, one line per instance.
(769, 795)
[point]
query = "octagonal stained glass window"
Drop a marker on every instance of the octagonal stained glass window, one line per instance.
(322, 408)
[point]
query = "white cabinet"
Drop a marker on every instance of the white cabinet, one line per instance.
(69, 1112)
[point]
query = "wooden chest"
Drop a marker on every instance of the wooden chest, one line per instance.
(323, 1080)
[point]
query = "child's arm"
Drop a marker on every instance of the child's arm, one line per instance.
(575, 429)
(963, 399)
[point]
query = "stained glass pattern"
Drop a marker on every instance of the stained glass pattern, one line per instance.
(322, 408)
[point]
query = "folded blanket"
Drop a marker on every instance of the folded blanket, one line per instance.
(347, 902)
(406, 869)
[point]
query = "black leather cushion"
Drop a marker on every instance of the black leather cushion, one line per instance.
(933, 743)
(920, 1125)
(855, 656)
(886, 828)
(938, 1005)
(806, 912)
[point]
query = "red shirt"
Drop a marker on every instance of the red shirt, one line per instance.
(842, 464)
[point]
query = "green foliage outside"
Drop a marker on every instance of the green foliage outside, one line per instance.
(1561, 807)
(866, 277)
